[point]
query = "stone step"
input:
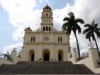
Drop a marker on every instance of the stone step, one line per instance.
(44, 68)
(42, 62)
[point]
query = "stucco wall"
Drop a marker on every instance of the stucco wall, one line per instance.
(40, 44)
(4, 61)
(40, 48)
(90, 61)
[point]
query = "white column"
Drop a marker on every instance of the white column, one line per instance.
(51, 53)
(41, 47)
(41, 52)
(69, 55)
(93, 54)
(75, 56)
(13, 55)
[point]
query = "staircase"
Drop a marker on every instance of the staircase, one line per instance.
(44, 67)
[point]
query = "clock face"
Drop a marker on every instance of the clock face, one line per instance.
(46, 38)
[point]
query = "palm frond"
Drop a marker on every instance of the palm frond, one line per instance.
(66, 19)
(71, 14)
(79, 21)
(65, 25)
(87, 25)
(98, 29)
(86, 31)
(95, 25)
(88, 36)
(69, 30)
(79, 29)
(97, 33)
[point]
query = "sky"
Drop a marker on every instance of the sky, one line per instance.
(16, 15)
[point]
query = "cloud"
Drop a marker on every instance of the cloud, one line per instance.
(47, 1)
(43, 1)
(40, 0)
(9, 48)
(21, 15)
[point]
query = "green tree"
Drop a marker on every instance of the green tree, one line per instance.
(7, 56)
(72, 24)
(92, 30)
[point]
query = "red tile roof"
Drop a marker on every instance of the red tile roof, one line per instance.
(46, 7)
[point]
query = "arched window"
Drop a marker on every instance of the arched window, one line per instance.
(49, 28)
(33, 39)
(43, 28)
(46, 28)
(44, 20)
(49, 20)
(59, 39)
(47, 14)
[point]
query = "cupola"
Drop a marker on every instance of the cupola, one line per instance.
(28, 28)
(46, 7)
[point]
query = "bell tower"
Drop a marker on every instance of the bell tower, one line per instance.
(47, 19)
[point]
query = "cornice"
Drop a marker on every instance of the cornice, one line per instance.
(46, 24)
(47, 43)
(46, 17)
(48, 32)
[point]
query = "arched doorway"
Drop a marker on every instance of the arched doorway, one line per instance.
(31, 55)
(60, 55)
(46, 55)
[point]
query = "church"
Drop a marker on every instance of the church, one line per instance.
(46, 43)
(47, 51)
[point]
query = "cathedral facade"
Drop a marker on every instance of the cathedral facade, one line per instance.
(46, 43)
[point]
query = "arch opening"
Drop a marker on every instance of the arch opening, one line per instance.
(60, 56)
(49, 29)
(46, 55)
(31, 55)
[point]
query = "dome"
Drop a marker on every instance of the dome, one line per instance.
(28, 28)
(46, 7)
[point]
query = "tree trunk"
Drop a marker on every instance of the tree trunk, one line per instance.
(97, 46)
(77, 45)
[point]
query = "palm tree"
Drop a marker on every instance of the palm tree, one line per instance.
(72, 24)
(91, 31)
